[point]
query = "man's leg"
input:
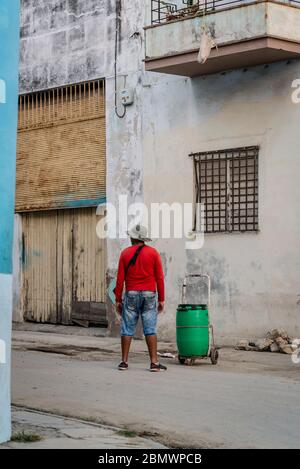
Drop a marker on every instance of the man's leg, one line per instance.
(126, 342)
(149, 318)
(152, 347)
(128, 325)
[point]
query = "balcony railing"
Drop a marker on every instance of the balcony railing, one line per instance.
(163, 12)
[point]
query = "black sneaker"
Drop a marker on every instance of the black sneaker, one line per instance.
(123, 366)
(157, 367)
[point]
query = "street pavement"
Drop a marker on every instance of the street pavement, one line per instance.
(249, 400)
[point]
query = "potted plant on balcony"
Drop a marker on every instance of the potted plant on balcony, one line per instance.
(193, 6)
(171, 12)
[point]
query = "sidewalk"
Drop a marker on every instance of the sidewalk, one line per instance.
(60, 329)
(54, 432)
(93, 348)
(54, 339)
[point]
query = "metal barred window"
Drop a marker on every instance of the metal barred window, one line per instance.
(226, 182)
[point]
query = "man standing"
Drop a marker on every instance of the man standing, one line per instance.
(140, 268)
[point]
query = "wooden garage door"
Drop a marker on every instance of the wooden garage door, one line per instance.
(61, 148)
(64, 265)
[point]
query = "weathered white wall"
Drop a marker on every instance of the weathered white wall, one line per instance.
(283, 21)
(65, 41)
(124, 136)
(255, 277)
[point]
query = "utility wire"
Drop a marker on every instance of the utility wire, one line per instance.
(118, 23)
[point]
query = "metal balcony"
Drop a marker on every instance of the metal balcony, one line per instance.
(245, 33)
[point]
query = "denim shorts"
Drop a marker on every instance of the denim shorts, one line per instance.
(135, 304)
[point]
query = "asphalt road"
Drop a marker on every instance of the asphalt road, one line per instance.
(235, 404)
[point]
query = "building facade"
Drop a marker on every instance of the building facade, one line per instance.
(9, 40)
(223, 133)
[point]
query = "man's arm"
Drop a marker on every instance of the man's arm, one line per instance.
(120, 284)
(160, 282)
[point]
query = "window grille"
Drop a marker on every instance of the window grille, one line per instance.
(226, 183)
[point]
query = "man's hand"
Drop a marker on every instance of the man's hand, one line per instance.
(119, 308)
(161, 307)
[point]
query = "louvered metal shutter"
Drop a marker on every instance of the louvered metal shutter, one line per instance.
(61, 148)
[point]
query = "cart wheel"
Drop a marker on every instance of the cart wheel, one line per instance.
(189, 361)
(181, 360)
(214, 356)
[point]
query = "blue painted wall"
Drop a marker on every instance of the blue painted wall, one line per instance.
(9, 55)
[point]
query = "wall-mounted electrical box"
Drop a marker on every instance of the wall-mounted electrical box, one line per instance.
(127, 96)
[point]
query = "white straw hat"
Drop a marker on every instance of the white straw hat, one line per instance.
(140, 233)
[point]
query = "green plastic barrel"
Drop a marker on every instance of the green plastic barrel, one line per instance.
(192, 330)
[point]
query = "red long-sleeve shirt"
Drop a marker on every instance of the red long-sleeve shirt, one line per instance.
(147, 273)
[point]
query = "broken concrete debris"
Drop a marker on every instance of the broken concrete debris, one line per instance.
(276, 340)
(274, 347)
(263, 344)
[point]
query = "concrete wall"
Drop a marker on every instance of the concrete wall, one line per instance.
(9, 34)
(65, 41)
(254, 275)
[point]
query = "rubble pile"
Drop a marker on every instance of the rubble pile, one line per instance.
(276, 340)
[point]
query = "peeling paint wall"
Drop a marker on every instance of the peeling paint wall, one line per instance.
(64, 41)
(254, 276)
